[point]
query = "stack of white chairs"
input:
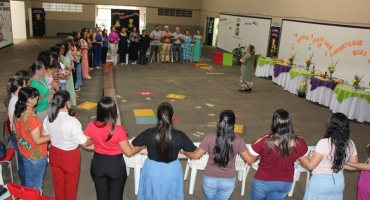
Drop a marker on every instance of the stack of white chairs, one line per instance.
(242, 168)
(136, 162)
(195, 165)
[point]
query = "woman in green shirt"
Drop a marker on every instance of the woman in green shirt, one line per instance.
(38, 81)
(247, 69)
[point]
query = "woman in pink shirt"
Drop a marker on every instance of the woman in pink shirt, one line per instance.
(108, 168)
(113, 43)
(328, 161)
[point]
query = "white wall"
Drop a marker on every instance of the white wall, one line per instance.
(18, 19)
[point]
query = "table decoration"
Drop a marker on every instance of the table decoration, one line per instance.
(357, 82)
(309, 62)
(331, 69)
(292, 57)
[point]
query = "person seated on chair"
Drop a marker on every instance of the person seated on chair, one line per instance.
(223, 146)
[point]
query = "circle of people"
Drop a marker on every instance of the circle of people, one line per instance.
(185, 48)
(40, 112)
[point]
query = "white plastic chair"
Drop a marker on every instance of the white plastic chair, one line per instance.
(195, 165)
(301, 169)
(243, 168)
(136, 162)
(1, 175)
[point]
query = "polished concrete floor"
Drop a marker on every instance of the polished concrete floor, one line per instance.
(206, 95)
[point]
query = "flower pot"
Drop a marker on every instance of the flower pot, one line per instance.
(301, 94)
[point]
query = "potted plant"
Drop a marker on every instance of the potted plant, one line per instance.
(238, 53)
(302, 90)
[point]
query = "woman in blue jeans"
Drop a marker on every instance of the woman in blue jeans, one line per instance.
(222, 147)
(31, 143)
(278, 151)
(15, 83)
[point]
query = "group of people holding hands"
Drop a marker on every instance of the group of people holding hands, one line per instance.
(161, 176)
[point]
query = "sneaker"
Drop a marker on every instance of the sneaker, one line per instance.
(88, 77)
(134, 63)
(97, 67)
(77, 89)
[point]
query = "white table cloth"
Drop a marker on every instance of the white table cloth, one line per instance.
(354, 108)
(281, 79)
(265, 70)
(320, 95)
(292, 85)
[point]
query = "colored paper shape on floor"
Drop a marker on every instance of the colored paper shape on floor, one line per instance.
(212, 71)
(145, 93)
(238, 128)
(237, 116)
(215, 73)
(143, 112)
(87, 105)
(175, 120)
(175, 96)
(207, 67)
(211, 105)
(146, 120)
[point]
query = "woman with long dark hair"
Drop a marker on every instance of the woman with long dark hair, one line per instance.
(15, 83)
(329, 159)
(246, 70)
(38, 71)
(66, 135)
(161, 176)
(222, 146)
(105, 47)
(133, 50)
(122, 46)
(108, 168)
(32, 144)
(278, 151)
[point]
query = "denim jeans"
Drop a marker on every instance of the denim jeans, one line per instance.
(176, 49)
(21, 170)
(78, 79)
(63, 86)
(35, 171)
(218, 188)
(272, 190)
(143, 51)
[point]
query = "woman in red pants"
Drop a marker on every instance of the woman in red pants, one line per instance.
(65, 135)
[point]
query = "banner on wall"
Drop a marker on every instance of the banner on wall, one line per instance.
(38, 22)
(6, 34)
(125, 19)
(274, 37)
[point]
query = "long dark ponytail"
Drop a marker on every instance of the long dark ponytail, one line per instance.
(23, 95)
(106, 114)
(164, 128)
(59, 101)
(225, 138)
(338, 132)
(13, 84)
(282, 132)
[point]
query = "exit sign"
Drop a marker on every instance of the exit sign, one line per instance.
(276, 24)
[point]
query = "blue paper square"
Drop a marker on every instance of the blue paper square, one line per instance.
(146, 120)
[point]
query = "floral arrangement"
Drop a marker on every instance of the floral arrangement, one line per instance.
(309, 62)
(302, 89)
(292, 57)
(331, 69)
(357, 82)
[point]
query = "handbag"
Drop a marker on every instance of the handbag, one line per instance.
(2, 150)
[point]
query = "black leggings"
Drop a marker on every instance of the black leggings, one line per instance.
(109, 176)
(104, 55)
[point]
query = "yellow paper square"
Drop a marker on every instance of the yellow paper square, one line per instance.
(175, 96)
(143, 112)
(206, 67)
(87, 105)
(238, 128)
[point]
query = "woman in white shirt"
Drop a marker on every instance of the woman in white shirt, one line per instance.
(65, 135)
(15, 83)
(328, 161)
